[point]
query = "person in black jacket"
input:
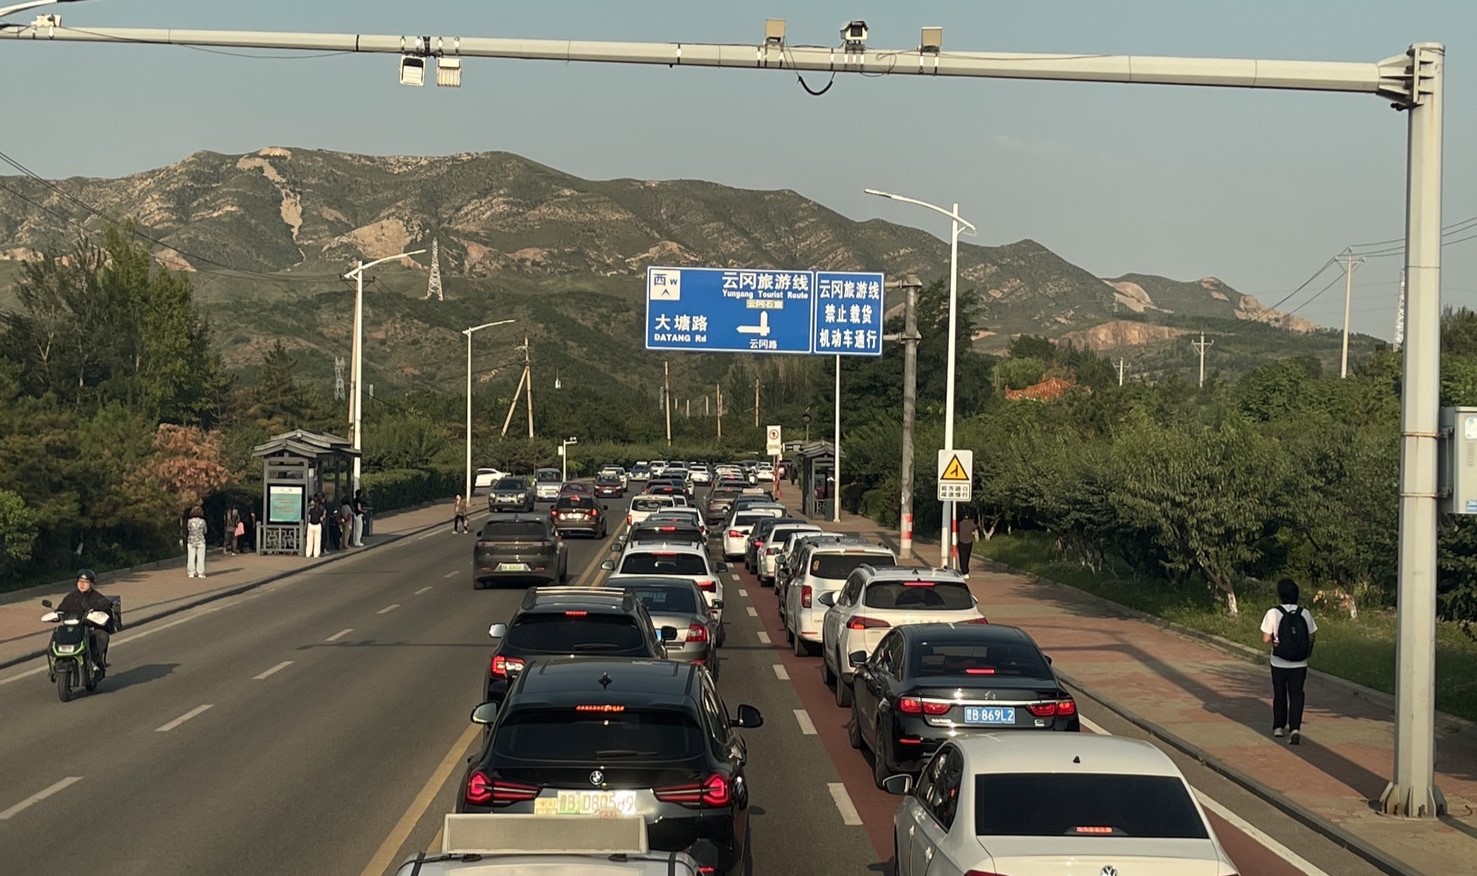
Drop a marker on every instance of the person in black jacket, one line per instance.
(85, 599)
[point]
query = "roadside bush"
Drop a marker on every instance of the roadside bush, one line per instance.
(404, 487)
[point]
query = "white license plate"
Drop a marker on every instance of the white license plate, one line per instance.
(587, 803)
(512, 567)
(989, 714)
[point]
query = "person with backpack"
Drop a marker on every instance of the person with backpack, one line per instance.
(1290, 629)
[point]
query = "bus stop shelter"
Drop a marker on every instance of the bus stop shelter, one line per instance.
(296, 466)
(816, 462)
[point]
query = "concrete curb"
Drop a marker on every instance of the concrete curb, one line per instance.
(1308, 818)
(206, 598)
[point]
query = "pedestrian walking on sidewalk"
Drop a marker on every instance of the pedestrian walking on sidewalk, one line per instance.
(358, 507)
(967, 531)
(459, 514)
(346, 523)
(228, 541)
(1291, 630)
(316, 513)
(195, 543)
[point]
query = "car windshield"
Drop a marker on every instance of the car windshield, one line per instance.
(838, 566)
(664, 564)
(548, 476)
(1066, 804)
(560, 633)
(597, 737)
(919, 596)
(985, 658)
(607, 479)
(508, 529)
(649, 503)
(510, 484)
(667, 600)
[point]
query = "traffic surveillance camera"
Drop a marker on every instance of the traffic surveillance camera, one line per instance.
(412, 70)
(854, 33)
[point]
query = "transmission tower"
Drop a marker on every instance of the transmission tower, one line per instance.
(338, 378)
(434, 286)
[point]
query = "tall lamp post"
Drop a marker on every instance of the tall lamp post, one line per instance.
(356, 404)
(29, 4)
(564, 457)
(946, 540)
(467, 493)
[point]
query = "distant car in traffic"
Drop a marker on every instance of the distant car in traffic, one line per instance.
(546, 484)
(673, 560)
(735, 531)
(485, 478)
(574, 513)
(610, 486)
(511, 493)
(822, 565)
(682, 606)
(518, 547)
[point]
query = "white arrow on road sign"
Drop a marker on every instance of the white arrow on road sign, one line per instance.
(762, 329)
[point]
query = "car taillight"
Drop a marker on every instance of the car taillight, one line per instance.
(734, 533)
(862, 622)
(758, 543)
(479, 789)
(1055, 708)
(713, 791)
(910, 705)
(937, 708)
(805, 595)
(976, 620)
(708, 586)
(696, 632)
(503, 667)
(513, 792)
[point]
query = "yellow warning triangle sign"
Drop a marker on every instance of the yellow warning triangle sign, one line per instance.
(954, 471)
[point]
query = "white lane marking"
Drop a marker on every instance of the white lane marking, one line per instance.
(339, 635)
(19, 675)
(385, 855)
(849, 815)
(807, 726)
(38, 797)
(182, 718)
(433, 533)
(424, 589)
(447, 575)
(780, 672)
(763, 637)
(389, 608)
(275, 669)
(744, 593)
(1254, 833)
(753, 612)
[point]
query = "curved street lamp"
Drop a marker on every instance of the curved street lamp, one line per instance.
(467, 493)
(29, 4)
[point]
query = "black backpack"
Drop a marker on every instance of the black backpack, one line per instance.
(1294, 642)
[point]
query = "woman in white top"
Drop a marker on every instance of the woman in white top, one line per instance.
(1290, 629)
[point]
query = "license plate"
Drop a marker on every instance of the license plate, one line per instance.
(512, 567)
(587, 803)
(989, 714)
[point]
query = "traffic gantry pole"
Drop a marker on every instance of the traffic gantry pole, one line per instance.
(1411, 81)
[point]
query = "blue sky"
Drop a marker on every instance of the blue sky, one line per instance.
(1257, 188)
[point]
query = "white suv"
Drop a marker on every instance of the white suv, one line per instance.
(673, 560)
(877, 599)
(822, 569)
(736, 529)
(767, 557)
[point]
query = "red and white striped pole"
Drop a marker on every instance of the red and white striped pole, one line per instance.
(906, 546)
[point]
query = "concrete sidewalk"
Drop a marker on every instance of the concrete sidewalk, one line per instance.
(162, 589)
(1211, 699)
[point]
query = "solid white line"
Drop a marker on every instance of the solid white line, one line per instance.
(807, 726)
(849, 815)
(275, 669)
(432, 534)
(38, 797)
(753, 612)
(19, 675)
(447, 575)
(422, 590)
(1252, 831)
(781, 673)
(385, 855)
(339, 635)
(389, 608)
(763, 637)
(744, 593)
(182, 719)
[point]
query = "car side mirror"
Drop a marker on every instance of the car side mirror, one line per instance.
(608, 565)
(46, 603)
(857, 658)
(617, 545)
(667, 634)
(497, 631)
(827, 599)
(605, 507)
(485, 713)
(716, 604)
(899, 785)
(721, 567)
(1048, 658)
(749, 717)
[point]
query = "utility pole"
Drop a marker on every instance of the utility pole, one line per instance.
(718, 389)
(528, 383)
(1400, 314)
(1120, 372)
(1201, 346)
(508, 421)
(667, 398)
(833, 491)
(756, 402)
(1350, 263)
(910, 339)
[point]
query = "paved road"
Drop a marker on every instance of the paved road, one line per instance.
(319, 724)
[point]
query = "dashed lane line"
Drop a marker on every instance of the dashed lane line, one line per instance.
(273, 671)
(389, 608)
(339, 635)
(849, 815)
(183, 718)
(38, 797)
(1257, 835)
(448, 575)
(807, 726)
(753, 612)
(763, 638)
(744, 593)
(781, 672)
(424, 589)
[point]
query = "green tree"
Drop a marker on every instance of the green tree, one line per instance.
(17, 532)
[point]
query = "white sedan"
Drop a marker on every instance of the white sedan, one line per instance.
(486, 477)
(1038, 803)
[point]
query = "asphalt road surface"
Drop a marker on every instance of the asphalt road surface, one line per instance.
(319, 725)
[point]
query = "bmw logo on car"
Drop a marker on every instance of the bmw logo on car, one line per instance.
(597, 778)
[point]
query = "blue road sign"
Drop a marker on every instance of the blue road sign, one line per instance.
(759, 310)
(848, 313)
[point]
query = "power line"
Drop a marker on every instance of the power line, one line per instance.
(1445, 230)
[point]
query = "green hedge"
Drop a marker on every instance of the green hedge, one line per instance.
(404, 487)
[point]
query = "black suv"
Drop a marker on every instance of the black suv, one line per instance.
(572, 622)
(621, 737)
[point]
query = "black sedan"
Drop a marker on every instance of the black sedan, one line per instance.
(620, 737)
(583, 514)
(928, 683)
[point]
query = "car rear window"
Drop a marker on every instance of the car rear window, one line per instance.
(509, 484)
(749, 518)
(840, 565)
(664, 564)
(649, 503)
(508, 529)
(994, 658)
(926, 596)
(574, 502)
(558, 633)
(648, 534)
(1053, 804)
(569, 735)
(548, 476)
(667, 600)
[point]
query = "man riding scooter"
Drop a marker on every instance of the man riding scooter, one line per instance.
(83, 601)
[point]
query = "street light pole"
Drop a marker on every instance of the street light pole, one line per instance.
(357, 404)
(946, 539)
(564, 457)
(468, 332)
(30, 4)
